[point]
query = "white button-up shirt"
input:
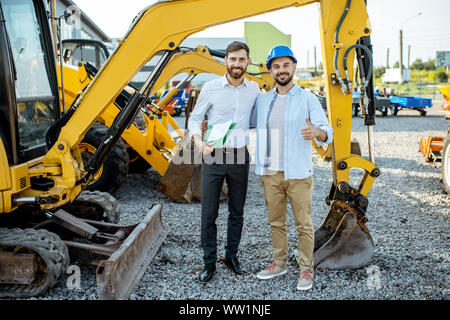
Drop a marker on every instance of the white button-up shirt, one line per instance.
(222, 102)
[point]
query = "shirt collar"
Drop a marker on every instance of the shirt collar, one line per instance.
(226, 83)
(295, 88)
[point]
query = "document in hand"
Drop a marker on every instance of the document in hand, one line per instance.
(218, 134)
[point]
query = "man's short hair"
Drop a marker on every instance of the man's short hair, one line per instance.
(237, 45)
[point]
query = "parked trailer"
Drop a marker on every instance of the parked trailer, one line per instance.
(382, 104)
(415, 103)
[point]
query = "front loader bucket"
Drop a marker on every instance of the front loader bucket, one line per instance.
(117, 276)
(342, 242)
(174, 183)
(183, 179)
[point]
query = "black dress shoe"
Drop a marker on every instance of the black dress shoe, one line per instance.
(234, 265)
(207, 273)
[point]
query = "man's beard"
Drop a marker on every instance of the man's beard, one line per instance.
(284, 82)
(235, 73)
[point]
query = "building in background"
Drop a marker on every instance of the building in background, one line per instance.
(79, 26)
(261, 37)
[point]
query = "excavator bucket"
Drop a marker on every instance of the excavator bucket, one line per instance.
(342, 241)
(124, 258)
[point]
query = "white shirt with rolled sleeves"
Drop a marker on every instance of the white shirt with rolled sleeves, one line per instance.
(222, 102)
(297, 160)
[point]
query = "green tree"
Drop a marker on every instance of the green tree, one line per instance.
(378, 72)
(430, 65)
(441, 75)
(397, 65)
(418, 65)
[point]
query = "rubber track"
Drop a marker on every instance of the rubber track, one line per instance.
(87, 203)
(50, 248)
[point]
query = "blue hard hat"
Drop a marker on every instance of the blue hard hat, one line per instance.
(279, 51)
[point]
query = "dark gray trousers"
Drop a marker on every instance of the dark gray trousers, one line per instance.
(235, 173)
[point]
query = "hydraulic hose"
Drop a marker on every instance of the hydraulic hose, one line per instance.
(365, 77)
(336, 42)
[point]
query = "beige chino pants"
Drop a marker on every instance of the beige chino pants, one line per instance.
(277, 191)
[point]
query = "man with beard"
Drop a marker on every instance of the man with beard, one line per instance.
(287, 118)
(229, 98)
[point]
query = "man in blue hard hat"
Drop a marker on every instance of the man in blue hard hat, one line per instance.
(287, 119)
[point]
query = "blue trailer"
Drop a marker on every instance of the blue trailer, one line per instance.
(382, 104)
(416, 103)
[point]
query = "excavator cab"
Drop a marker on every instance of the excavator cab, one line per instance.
(30, 103)
(76, 51)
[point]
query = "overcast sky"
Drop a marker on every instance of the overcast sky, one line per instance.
(425, 33)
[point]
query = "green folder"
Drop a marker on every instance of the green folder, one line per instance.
(219, 142)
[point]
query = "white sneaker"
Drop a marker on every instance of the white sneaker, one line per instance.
(271, 271)
(305, 280)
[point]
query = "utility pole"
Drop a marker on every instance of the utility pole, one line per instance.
(307, 59)
(409, 52)
(387, 59)
(401, 56)
(401, 45)
(315, 60)
(53, 14)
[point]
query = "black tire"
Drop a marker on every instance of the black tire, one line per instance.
(423, 113)
(384, 111)
(140, 165)
(177, 111)
(394, 110)
(114, 169)
(446, 165)
(355, 109)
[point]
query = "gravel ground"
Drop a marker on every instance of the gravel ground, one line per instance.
(408, 219)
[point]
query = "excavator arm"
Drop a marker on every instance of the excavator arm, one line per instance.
(345, 29)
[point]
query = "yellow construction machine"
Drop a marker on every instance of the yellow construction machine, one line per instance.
(437, 148)
(42, 170)
(46, 219)
(149, 141)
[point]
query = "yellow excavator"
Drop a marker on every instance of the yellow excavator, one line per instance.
(43, 212)
(148, 142)
(343, 240)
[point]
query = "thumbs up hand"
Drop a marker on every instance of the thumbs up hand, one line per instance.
(309, 132)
